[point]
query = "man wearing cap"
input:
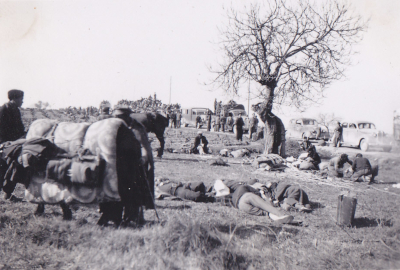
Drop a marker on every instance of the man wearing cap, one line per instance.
(105, 113)
(362, 169)
(11, 129)
(11, 126)
(200, 140)
(124, 114)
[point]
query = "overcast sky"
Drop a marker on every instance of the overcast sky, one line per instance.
(78, 53)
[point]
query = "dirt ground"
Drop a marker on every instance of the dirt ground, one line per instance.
(188, 235)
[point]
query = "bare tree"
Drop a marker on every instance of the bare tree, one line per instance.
(42, 105)
(327, 119)
(294, 51)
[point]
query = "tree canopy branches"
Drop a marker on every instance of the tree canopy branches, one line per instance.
(293, 49)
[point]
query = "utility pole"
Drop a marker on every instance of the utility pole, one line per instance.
(170, 89)
(248, 101)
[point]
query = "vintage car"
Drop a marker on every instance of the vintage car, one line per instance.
(300, 127)
(189, 116)
(363, 134)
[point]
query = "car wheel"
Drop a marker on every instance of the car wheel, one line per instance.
(364, 145)
(387, 148)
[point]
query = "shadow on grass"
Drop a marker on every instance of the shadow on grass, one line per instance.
(369, 222)
(177, 159)
(244, 232)
(175, 207)
(385, 183)
(316, 205)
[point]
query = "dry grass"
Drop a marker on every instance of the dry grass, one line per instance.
(210, 236)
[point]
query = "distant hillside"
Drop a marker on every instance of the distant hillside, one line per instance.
(31, 114)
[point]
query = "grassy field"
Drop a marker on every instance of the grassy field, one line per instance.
(212, 236)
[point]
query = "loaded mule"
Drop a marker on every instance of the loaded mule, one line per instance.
(121, 180)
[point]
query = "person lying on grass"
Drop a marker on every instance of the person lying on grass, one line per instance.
(192, 191)
(249, 200)
(288, 196)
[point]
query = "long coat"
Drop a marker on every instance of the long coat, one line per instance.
(11, 126)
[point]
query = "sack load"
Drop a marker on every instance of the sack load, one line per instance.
(272, 160)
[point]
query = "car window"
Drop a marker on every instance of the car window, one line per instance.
(366, 126)
(298, 122)
(352, 126)
(309, 122)
(344, 125)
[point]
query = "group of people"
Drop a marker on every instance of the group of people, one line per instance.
(253, 197)
(360, 168)
(175, 119)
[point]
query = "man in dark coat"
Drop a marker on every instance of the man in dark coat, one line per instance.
(209, 121)
(11, 129)
(193, 191)
(337, 137)
(362, 169)
(223, 122)
(200, 140)
(239, 123)
(11, 126)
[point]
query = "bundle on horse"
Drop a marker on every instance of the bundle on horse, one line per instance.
(92, 163)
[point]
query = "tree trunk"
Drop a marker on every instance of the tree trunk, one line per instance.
(274, 131)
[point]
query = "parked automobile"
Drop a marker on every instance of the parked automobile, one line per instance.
(299, 127)
(363, 134)
(189, 116)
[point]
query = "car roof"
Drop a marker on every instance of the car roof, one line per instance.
(357, 121)
(304, 118)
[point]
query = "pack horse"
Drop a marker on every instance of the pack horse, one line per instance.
(105, 162)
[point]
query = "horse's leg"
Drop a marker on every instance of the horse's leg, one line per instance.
(39, 209)
(67, 213)
(162, 144)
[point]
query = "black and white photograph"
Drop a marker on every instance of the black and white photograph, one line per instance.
(215, 134)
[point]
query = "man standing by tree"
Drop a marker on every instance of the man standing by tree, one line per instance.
(11, 129)
(209, 121)
(239, 123)
(253, 125)
(293, 49)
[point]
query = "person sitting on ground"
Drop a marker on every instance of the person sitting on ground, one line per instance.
(312, 161)
(362, 169)
(193, 191)
(200, 141)
(336, 164)
(288, 196)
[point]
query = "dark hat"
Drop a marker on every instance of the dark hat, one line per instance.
(122, 111)
(14, 93)
(105, 109)
(343, 156)
(359, 155)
